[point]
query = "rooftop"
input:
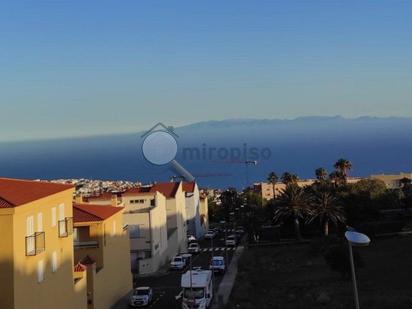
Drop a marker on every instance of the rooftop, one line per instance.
(93, 213)
(17, 192)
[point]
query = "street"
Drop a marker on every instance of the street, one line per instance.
(167, 287)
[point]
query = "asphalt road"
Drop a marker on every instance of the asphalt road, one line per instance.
(166, 287)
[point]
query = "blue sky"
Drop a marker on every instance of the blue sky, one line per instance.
(70, 68)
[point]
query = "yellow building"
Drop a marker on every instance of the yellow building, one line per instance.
(36, 247)
(101, 246)
(392, 181)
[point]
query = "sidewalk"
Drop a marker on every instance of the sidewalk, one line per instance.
(225, 288)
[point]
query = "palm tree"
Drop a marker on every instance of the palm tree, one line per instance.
(293, 203)
(273, 179)
(288, 178)
(337, 177)
(326, 208)
(343, 166)
(321, 174)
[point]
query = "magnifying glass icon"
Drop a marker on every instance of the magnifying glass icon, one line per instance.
(160, 148)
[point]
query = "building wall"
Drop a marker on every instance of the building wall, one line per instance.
(57, 290)
(204, 213)
(152, 222)
(392, 181)
(192, 207)
(176, 217)
(114, 280)
(6, 259)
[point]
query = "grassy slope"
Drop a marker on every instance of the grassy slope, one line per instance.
(287, 277)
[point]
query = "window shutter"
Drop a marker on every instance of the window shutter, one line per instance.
(53, 216)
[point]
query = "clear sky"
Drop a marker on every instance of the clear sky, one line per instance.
(70, 68)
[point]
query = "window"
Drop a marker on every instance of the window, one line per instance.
(62, 223)
(30, 232)
(152, 202)
(61, 212)
(134, 231)
(53, 217)
(54, 262)
(39, 222)
(40, 271)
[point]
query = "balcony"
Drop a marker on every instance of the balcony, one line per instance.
(35, 244)
(65, 227)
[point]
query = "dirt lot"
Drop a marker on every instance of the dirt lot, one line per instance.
(290, 277)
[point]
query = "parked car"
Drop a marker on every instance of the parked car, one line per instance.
(177, 262)
(141, 296)
(193, 248)
(231, 240)
(240, 230)
(210, 234)
(217, 264)
(186, 257)
(191, 238)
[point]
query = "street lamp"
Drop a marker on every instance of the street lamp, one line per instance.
(357, 240)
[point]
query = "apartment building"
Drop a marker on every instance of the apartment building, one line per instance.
(36, 249)
(105, 198)
(192, 207)
(392, 181)
(176, 213)
(101, 248)
(268, 191)
(146, 220)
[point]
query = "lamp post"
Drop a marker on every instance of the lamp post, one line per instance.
(358, 240)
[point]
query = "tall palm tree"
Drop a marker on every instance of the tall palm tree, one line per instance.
(343, 166)
(321, 174)
(288, 178)
(325, 207)
(293, 203)
(273, 179)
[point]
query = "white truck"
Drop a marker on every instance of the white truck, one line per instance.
(197, 289)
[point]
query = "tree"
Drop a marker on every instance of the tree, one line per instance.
(288, 178)
(337, 177)
(326, 208)
(230, 200)
(273, 179)
(344, 166)
(374, 188)
(293, 203)
(321, 174)
(404, 182)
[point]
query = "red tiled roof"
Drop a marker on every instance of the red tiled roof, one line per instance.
(92, 213)
(17, 192)
(189, 187)
(168, 189)
(138, 191)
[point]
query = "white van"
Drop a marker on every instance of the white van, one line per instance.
(217, 264)
(197, 289)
